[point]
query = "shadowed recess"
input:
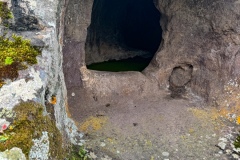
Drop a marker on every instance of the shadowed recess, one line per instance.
(120, 30)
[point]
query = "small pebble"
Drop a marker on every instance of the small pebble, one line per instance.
(222, 145)
(92, 155)
(166, 154)
(228, 151)
(73, 94)
(102, 144)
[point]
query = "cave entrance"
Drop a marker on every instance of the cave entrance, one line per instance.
(123, 35)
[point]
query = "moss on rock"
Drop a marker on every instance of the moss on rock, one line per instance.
(29, 124)
(237, 142)
(15, 54)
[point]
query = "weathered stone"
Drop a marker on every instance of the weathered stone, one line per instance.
(37, 20)
(12, 154)
(200, 45)
(199, 53)
(222, 145)
(24, 18)
(40, 148)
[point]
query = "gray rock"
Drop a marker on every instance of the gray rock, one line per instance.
(222, 145)
(40, 148)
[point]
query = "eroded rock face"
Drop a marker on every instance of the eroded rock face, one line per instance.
(199, 53)
(24, 17)
(180, 77)
(199, 49)
(204, 34)
(37, 20)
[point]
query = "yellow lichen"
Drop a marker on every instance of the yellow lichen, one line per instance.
(208, 116)
(238, 120)
(93, 124)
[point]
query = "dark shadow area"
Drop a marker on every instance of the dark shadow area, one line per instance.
(121, 30)
(141, 28)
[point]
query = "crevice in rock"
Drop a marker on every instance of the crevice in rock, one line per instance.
(121, 30)
(24, 20)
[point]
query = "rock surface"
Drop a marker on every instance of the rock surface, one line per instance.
(203, 35)
(198, 59)
(37, 20)
(12, 154)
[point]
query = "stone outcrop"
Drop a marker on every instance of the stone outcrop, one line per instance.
(204, 34)
(37, 21)
(199, 54)
(199, 49)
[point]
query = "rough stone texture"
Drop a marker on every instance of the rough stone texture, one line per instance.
(24, 17)
(40, 147)
(198, 57)
(37, 20)
(202, 34)
(179, 78)
(12, 93)
(77, 16)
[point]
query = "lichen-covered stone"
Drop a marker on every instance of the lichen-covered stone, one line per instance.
(40, 147)
(12, 154)
(12, 93)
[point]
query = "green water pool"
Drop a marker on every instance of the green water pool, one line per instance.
(130, 64)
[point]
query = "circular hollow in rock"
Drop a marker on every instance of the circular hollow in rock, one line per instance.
(180, 76)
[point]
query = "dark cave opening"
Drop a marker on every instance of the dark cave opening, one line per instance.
(122, 31)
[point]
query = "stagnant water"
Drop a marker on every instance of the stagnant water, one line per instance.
(131, 64)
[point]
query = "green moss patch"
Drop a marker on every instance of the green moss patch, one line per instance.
(78, 153)
(17, 50)
(29, 124)
(15, 54)
(237, 142)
